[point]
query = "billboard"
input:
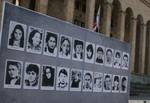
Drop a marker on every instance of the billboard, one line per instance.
(44, 59)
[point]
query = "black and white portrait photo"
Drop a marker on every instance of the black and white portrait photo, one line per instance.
(31, 76)
(100, 55)
(65, 47)
(17, 36)
(78, 50)
(75, 80)
(125, 61)
(124, 83)
(13, 74)
(97, 82)
(48, 77)
(87, 81)
(109, 57)
(107, 83)
(117, 59)
(116, 83)
(50, 44)
(34, 41)
(89, 52)
(62, 83)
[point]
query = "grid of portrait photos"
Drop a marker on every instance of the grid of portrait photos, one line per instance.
(28, 75)
(39, 41)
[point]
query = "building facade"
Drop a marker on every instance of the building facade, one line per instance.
(126, 20)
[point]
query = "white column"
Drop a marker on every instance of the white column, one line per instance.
(142, 47)
(69, 10)
(106, 27)
(90, 8)
(133, 43)
(121, 26)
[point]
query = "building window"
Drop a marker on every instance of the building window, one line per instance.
(147, 50)
(32, 4)
(79, 13)
(138, 47)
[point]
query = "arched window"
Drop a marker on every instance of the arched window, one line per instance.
(32, 4)
(79, 13)
(138, 48)
(128, 25)
(115, 18)
(147, 51)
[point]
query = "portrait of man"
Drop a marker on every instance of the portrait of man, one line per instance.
(98, 82)
(117, 59)
(116, 83)
(62, 82)
(125, 61)
(78, 50)
(31, 76)
(17, 36)
(13, 74)
(48, 77)
(87, 81)
(35, 40)
(124, 83)
(109, 57)
(107, 83)
(75, 80)
(50, 44)
(89, 52)
(65, 47)
(100, 54)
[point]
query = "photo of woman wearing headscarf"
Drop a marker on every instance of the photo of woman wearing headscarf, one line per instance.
(48, 77)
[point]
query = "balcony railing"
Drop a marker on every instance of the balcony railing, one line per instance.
(140, 87)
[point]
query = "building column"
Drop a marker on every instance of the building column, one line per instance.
(106, 27)
(41, 6)
(90, 8)
(142, 47)
(121, 26)
(69, 10)
(133, 44)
